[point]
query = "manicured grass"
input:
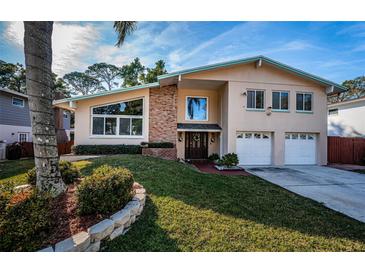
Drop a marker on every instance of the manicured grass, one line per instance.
(191, 211)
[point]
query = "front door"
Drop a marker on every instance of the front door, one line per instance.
(196, 145)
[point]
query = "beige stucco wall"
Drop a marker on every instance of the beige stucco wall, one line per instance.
(83, 119)
(243, 77)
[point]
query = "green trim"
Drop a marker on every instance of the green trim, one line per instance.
(83, 97)
(304, 111)
(253, 59)
(280, 110)
(256, 109)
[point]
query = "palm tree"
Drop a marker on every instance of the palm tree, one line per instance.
(38, 61)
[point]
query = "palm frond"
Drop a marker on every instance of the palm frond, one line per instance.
(124, 28)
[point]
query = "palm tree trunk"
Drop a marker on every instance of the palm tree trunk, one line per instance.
(38, 61)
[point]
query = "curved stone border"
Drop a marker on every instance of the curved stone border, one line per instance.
(118, 224)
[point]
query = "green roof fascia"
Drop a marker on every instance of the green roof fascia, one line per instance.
(249, 60)
(89, 96)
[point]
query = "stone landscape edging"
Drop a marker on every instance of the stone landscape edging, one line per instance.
(116, 225)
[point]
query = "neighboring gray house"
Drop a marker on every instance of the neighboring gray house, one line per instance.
(15, 120)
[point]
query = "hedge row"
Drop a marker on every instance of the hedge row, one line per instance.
(107, 149)
(158, 145)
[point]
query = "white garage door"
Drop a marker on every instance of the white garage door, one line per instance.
(300, 149)
(254, 148)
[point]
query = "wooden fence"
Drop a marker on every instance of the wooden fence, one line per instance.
(346, 150)
(27, 148)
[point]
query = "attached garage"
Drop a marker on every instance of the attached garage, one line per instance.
(300, 149)
(254, 148)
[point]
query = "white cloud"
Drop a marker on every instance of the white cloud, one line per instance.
(70, 43)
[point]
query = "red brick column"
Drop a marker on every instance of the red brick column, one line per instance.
(163, 114)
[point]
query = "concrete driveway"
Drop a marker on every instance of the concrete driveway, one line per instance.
(343, 191)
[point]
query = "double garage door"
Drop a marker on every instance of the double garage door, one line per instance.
(255, 148)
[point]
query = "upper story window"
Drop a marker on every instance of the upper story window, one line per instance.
(333, 111)
(255, 99)
(22, 137)
(304, 101)
(122, 119)
(280, 100)
(65, 115)
(18, 102)
(196, 108)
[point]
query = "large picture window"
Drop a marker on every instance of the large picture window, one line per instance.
(255, 99)
(197, 108)
(121, 119)
(304, 101)
(280, 100)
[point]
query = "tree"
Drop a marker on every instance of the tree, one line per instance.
(12, 76)
(38, 61)
(152, 73)
(105, 73)
(355, 88)
(81, 83)
(124, 28)
(132, 73)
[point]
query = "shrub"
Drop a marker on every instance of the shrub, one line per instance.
(14, 151)
(106, 190)
(106, 149)
(213, 157)
(158, 144)
(24, 222)
(230, 159)
(69, 173)
(6, 192)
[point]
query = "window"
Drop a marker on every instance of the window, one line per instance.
(280, 100)
(18, 102)
(22, 137)
(248, 135)
(65, 114)
(304, 101)
(197, 108)
(120, 119)
(333, 111)
(255, 99)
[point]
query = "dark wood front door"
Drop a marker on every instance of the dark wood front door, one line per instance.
(196, 145)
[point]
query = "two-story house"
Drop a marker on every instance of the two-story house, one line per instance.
(267, 112)
(15, 123)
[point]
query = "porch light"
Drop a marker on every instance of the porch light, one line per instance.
(212, 139)
(180, 138)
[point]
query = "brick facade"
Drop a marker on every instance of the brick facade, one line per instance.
(164, 153)
(163, 114)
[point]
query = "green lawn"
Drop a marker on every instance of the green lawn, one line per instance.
(190, 211)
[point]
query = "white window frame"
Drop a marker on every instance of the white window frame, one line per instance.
(103, 136)
(12, 102)
(186, 108)
(26, 136)
(272, 102)
(312, 100)
(264, 101)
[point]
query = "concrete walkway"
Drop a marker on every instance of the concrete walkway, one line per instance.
(75, 158)
(340, 190)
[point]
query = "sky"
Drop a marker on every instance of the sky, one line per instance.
(332, 50)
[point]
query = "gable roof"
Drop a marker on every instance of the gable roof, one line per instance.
(347, 102)
(13, 92)
(119, 90)
(255, 59)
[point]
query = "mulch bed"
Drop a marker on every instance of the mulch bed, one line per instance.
(209, 168)
(66, 221)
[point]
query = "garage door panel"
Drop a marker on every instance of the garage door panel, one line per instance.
(300, 149)
(254, 148)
